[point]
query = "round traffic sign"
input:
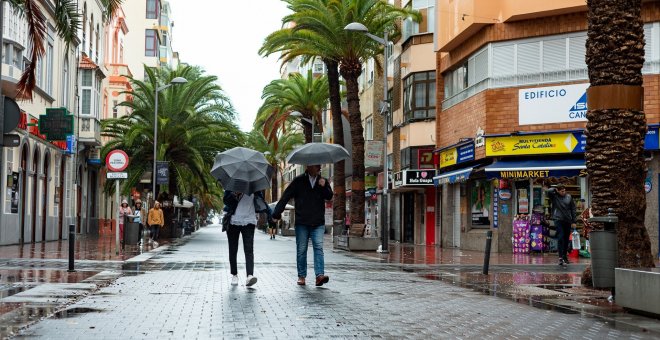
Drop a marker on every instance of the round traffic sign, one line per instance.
(116, 160)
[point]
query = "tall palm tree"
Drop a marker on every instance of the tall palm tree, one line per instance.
(194, 124)
(307, 95)
(615, 134)
(275, 150)
(308, 45)
(319, 28)
(67, 23)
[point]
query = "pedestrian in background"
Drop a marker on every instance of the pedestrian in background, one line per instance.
(243, 209)
(564, 214)
(156, 220)
(140, 217)
(124, 210)
(310, 191)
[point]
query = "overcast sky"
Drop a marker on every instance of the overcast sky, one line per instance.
(223, 36)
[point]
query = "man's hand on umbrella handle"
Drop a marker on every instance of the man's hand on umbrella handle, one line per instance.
(322, 182)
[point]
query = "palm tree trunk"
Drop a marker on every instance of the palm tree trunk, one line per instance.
(615, 136)
(351, 70)
(339, 174)
(273, 184)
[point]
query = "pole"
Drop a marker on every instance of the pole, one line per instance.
(312, 128)
(118, 215)
(72, 243)
(155, 140)
(489, 239)
(2, 111)
(386, 110)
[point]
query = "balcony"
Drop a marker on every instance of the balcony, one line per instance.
(90, 131)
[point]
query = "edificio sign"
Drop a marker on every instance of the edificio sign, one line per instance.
(555, 104)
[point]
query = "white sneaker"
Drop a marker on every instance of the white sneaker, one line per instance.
(251, 280)
(234, 280)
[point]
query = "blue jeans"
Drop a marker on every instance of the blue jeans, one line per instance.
(303, 234)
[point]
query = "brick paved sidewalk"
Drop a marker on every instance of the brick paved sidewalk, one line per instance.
(184, 292)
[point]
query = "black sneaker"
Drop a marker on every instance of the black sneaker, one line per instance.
(566, 261)
(561, 262)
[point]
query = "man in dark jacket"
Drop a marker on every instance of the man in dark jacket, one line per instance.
(310, 191)
(563, 212)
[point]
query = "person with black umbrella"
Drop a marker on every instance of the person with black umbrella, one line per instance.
(310, 191)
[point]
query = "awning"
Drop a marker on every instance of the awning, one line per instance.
(453, 177)
(536, 168)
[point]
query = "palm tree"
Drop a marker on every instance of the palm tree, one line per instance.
(308, 45)
(275, 151)
(307, 95)
(195, 122)
(67, 23)
(319, 31)
(615, 134)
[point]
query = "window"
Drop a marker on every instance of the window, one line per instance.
(420, 157)
(369, 128)
(115, 109)
(419, 95)
(427, 25)
(65, 82)
(86, 95)
(318, 67)
(97, 97)
(84, 27)
(480, 199)
(152, 9)
(49, 60)
(150, 43)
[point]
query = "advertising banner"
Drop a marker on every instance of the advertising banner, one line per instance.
(162, 172)
(457, 155)
(557, 143)
(373, 154)
(555, 104)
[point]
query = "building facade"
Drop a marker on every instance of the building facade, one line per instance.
(512, 79)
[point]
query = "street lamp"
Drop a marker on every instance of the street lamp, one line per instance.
(358, 27)
(297, 114)
(175, 81)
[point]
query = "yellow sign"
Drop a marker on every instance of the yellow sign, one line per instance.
(531, 144)
(448, 157)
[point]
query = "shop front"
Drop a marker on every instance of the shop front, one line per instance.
(413, 197)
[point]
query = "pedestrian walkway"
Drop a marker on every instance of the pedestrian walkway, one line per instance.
(184, 292)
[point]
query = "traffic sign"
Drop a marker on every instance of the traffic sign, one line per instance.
(116, 160)
(116, 175)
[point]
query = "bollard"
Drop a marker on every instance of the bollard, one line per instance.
(489, 239)
(72, 241)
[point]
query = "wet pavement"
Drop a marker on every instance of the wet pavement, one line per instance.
(183, 291)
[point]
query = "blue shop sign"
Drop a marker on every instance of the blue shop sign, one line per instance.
(465, 153)
(651, 141)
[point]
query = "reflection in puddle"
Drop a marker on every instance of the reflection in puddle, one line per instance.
(73, 312)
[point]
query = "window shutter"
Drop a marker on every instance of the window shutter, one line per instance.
(577, 52)
(481, 66)
(471, 75)
(554, 60)
(503, 57)
(649, 48)
(529, 62)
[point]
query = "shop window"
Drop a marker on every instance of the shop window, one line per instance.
(480, 203)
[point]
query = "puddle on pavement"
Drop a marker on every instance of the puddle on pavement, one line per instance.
(73, 312)
(133, 268)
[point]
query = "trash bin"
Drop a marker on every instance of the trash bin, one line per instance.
(604, 252)
(131, 230)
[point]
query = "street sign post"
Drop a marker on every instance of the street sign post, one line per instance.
(116, 175)
(116, 161)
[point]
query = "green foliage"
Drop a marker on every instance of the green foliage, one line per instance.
(195, 122)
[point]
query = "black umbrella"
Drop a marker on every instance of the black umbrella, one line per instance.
(317, 153)
(242, 170)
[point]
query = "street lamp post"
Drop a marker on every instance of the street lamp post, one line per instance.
(358, 27)
(175, 81)
(300, 115)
